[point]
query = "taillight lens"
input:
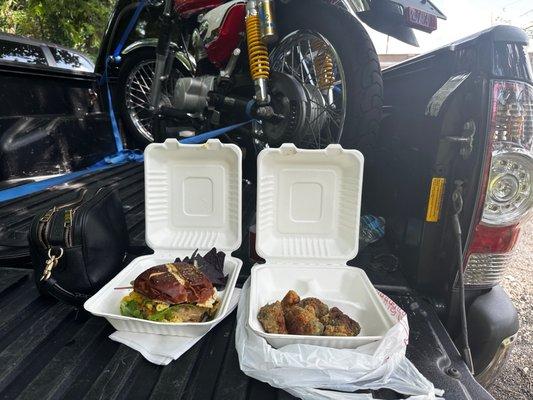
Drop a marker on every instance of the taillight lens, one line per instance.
(508, 197)
(509, 184)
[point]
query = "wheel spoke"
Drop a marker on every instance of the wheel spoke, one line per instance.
(138, 89)
(312, 59)
(297, 55)
(137, 98)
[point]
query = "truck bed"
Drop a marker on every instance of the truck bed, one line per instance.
(16, 215)
(49, 350)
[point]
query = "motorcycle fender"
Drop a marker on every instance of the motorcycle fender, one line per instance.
(426, 6)
(188, 62)
(352, 6)
(382, 15)
(387, 17)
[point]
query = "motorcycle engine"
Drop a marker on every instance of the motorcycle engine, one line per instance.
(190, 94)
(218, 35)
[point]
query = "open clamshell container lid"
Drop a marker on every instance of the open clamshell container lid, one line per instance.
(192, 201)
(193, 196)
(308, 204)
(308, 207)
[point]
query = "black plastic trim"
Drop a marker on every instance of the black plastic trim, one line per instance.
(492, 317)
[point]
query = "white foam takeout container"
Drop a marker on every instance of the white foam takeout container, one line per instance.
(193, 201)
(308, 206)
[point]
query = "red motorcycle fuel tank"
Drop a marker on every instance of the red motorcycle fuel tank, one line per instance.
(225, 31)
(190, 7)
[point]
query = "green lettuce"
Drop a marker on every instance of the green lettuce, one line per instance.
(130, 309)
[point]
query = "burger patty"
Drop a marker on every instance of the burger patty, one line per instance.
(175, 283)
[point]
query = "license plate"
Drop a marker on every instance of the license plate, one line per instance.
(420, 19)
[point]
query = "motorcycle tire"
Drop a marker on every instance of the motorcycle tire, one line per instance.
(130, 63)
(359, 61)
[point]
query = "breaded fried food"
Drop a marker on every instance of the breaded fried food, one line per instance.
(303, 321)
(336, 323)
(290, 299)
(272, 319)
(320, 308)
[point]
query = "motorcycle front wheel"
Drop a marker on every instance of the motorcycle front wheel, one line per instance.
(329, 52)
(134, 87)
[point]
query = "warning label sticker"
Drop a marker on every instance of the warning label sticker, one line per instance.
(435, 199)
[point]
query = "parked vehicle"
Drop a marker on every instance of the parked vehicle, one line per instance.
(19, 49)
(207, 70)
(453, 150)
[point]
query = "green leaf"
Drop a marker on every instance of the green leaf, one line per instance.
(130, 309)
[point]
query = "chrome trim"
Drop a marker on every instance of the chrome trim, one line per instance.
(487, 376)
(151, 42)
(486, 269)
(188, 62)
(352, 6)
(426, 6)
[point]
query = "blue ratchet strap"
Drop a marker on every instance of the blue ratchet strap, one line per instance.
(204, 137)
(29, 188)
(126, 155)
(108, 162)
(34, 187)
(127, 31)
(122, 155)
(114, 123)
(249, 107)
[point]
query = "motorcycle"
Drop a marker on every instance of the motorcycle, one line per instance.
(304, 72)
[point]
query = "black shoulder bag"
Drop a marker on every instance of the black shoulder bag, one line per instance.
(79, 245)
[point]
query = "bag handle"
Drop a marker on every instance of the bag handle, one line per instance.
(62, 294)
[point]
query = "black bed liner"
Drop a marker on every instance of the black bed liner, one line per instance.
(16, 214)
(49, 350)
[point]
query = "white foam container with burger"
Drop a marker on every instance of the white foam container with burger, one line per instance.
(308, 209)
(193, 201)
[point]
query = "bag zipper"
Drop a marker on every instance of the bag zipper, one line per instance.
(43, 225)
(44, 222)
(69, 219)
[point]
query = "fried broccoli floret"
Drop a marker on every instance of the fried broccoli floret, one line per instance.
(308, 316)
(303, 321)
(271, 318)
(320, 308)
(290, 299)
(339, 324)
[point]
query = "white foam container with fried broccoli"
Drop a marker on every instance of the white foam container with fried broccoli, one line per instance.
(193, 201)
(307, 229)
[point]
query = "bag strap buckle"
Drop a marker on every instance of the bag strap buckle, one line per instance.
(51, 263)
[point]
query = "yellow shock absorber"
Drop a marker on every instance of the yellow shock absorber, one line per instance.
(257, 51)
(323, 65)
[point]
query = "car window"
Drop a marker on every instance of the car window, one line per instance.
(70, 60)
(21, 52)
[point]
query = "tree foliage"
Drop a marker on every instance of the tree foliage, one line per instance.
(79, 24)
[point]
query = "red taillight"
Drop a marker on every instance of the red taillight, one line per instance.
(507, 186)
(489, 239)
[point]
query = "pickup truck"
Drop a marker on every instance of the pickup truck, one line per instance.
(454, 151)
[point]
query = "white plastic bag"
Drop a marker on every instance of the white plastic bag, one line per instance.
(302, 370)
